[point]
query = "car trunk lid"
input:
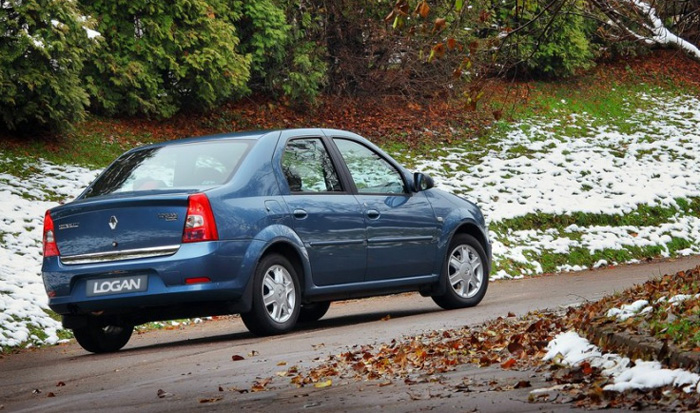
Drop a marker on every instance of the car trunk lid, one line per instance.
(120, 228)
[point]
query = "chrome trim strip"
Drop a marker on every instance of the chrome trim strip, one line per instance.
(400, 239)
(329, 243)
(120, 255)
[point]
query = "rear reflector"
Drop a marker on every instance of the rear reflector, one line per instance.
(50, 246)
(199, 223)
(197, 280)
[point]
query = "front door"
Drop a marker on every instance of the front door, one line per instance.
(401, 225)
(327, 218)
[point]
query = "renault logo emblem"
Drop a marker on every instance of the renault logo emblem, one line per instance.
(113, 222)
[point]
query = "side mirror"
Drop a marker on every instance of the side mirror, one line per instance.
(422, 182)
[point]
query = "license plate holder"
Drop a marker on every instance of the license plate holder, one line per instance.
(116, 285)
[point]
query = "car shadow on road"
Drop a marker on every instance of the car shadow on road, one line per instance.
(245, 337)
(353, 319)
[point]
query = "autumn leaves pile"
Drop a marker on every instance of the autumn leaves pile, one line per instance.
(520, 343)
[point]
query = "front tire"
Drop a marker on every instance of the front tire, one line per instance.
(276, 297)
(103, 339)
(465, 273)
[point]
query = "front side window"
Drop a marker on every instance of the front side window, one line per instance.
(308, 168)
(187, 166)
(372, 173)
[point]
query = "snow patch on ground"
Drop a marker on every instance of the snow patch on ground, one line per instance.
(23, 202)
(568, 170)
(571, 349)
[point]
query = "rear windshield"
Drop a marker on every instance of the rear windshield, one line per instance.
(185, 166)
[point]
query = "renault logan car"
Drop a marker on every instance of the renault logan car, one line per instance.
(273, 225)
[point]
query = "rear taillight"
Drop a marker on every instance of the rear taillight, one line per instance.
(199, 223)
(50, 247)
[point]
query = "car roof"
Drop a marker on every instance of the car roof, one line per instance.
(250, 135)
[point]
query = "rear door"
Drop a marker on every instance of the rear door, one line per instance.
(401, 225)
(327, 218)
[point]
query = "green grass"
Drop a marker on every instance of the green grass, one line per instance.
(610, 106)
(682, 329)
(582, 256)
(87, 148)
(644, 215)
(557, 225)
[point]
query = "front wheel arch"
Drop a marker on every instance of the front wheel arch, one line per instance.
(472, 229)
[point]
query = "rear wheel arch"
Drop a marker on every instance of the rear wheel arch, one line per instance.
(282, 240)
(291, 253)
(275, 296)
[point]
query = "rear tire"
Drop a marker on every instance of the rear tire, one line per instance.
(103, 339)
(276, 297)
(465, 274)
(313, 311)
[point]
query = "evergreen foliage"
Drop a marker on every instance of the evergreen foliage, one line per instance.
(550, 38)
(158, 57)
(42, 47)
(284, 38)
(155, 58)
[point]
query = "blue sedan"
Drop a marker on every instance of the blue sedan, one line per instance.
(272, 225)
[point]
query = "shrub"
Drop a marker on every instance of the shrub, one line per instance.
(549, 39)
(42, 47)
(159, 57)
(284, 39)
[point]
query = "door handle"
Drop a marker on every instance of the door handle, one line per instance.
(300, 214)
(372, 214)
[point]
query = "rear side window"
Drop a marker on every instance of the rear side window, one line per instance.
(186, 166)
(308, 167)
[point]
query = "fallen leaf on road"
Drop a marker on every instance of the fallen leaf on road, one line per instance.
(211, 400)
(323, 384)
(51, 394)
(253, 353)
(236, 357)
(523, 384)
(508, 364)
(260, 385)
(516, 348)
(415, 396)
(163, 394)
(60, 384)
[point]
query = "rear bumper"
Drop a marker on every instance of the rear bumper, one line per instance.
(221, 262)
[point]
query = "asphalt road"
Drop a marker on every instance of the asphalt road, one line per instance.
(192, 367)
